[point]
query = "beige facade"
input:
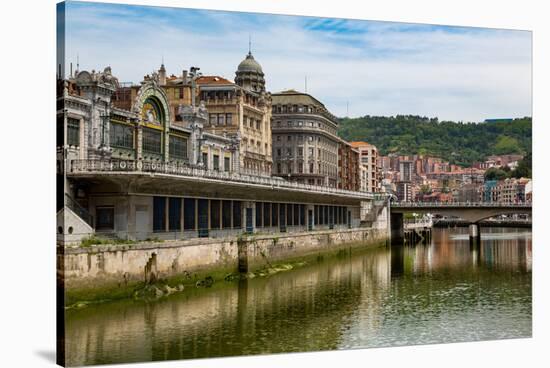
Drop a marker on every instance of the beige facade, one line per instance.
(241, 110)
(369, 160)
(305, 141)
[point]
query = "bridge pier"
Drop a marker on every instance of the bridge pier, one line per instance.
(475, 233)
(397, 228)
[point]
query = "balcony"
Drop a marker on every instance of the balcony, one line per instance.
(99, 167)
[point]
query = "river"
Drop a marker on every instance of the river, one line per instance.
(447, 291)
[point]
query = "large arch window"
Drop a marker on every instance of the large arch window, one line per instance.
(154, 118)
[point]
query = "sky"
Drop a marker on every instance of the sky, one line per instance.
(355, 67)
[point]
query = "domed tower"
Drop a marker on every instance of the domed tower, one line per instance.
(249, 75)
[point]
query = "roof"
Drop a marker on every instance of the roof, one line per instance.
(294, 97)
(249, 65)
(213, 80)
(359, 144)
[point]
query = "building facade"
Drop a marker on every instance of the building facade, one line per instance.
(369, 160)
(305, 141)
(241, 110)
(349, 167)
(128, 168)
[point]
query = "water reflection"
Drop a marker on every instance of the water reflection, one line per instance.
(442, 292)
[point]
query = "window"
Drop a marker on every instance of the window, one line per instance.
(205, 160)
(237, 214)
(221, 119)
(216, 162)
(296, 214)
(159, 214)
(258, 124)
(226, 214)
(226, 164)
(174, 214)
(152, 141)
(289, 123)
(73, 132)
(258, 214)
(267, 214)
(189, 205)
(289, 151)
(214, 214)
(300, 151)
(181, 92)
(316, 215)
(176, 114)
(105, 218)
(278, 138)
(278, 167)
(274, 214)
(229, 119)
(213, 119)
(278, 152)
(311, 167)
(289, 214)
(178, 147)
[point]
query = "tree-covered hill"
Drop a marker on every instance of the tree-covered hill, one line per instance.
(459, 143)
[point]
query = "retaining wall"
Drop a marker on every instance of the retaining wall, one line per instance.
(119, 265)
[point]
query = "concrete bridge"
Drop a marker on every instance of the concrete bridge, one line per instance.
(472, 212)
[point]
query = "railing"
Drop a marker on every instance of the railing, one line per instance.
(418, 223)
(79, 210)
(460, 204)
(187, 170)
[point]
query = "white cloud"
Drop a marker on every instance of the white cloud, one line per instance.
(380, 69)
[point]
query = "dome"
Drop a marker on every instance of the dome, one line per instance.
(249, 65)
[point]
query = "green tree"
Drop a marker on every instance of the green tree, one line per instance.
(505, 145)
(495, 173)
(456, 142)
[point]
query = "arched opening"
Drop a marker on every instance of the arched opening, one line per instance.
(153, 111)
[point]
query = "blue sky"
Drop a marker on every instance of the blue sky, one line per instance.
(375, 68)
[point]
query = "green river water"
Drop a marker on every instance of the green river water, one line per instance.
(447, 291)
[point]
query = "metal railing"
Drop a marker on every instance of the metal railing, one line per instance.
(187, 170)
(460, 204)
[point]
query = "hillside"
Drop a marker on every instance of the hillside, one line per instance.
(456, 142)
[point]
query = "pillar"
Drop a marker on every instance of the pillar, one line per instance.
(475, 234)
(397, 230)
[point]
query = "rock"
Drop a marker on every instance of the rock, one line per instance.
(168, 290)
(158, 293)
(180, 287)
(208, 281)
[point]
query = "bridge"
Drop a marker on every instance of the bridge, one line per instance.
(472, 212)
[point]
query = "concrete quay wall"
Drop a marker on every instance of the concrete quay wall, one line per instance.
(122, 265)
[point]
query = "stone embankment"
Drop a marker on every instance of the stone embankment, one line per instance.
(117, 271)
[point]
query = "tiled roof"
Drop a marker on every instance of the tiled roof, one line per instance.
(213, 79)
(359, 144)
